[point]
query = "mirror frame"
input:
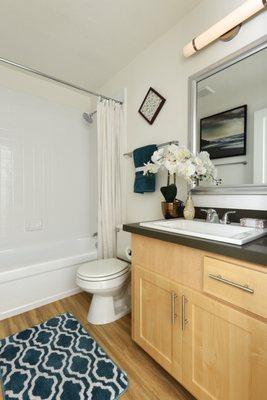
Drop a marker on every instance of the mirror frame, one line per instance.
(193, 80)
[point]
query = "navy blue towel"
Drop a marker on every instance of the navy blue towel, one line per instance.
(144, 183)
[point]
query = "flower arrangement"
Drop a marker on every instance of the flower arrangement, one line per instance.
(179, 160)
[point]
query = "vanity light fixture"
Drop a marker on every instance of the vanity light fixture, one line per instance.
(225, 29)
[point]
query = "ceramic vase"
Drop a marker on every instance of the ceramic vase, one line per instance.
(189, 210)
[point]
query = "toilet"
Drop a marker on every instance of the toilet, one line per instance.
(109, 282)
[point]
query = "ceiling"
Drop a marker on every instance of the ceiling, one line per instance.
(84, 41)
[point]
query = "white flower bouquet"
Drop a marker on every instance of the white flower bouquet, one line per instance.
(179, 160)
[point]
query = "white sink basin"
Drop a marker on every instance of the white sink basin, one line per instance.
(233, 233)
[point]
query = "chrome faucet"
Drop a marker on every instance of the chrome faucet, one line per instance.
(225, 219)
(212, 215)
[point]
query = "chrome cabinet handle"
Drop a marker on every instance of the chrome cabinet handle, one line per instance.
(184, 320)
(173, 313)
(220, 278)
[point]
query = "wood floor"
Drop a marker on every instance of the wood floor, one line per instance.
(147, 380)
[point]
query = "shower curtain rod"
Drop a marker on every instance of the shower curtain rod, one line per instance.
(52, 78)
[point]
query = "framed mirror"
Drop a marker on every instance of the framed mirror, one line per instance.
(228, 119)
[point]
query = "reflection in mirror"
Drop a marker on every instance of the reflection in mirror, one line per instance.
(232, 120)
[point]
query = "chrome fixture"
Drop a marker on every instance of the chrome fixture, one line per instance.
(130, 154)
(184, 319)
(173, 312)
(95, 236)
(212, 215)
(220, 278)
(88, 117)
(232, 163)
(225, 218)
(53, 78)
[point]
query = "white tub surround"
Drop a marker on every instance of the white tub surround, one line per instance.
(38, 275)
(48, 158)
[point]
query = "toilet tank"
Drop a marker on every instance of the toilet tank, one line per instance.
(123, 245)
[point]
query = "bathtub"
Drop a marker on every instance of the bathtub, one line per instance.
(38, 275)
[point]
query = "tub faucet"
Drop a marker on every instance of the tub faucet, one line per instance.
(212, 215)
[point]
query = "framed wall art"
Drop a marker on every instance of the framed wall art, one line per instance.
(151, 106)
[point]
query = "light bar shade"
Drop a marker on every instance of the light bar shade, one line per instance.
(235, 18)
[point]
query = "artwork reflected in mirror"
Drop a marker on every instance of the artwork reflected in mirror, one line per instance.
(224, 134)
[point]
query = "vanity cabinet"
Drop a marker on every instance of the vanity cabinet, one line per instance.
(217, 350)
(156, 318)
(224, 351)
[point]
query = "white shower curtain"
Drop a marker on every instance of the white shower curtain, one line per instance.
(110, 131)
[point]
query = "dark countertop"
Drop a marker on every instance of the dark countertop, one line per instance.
(255, 252)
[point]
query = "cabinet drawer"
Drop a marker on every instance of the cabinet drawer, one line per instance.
(238, 285)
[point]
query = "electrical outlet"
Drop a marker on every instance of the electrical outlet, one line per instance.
(34, 224)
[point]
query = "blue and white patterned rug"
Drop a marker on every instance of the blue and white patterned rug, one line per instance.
(58, 360)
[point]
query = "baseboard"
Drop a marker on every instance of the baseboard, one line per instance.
(38, 303)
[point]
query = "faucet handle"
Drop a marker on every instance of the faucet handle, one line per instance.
(212, 215)
(208, 211)
(225, 217)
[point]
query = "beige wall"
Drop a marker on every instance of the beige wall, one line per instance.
(163, 67)
(14, 78)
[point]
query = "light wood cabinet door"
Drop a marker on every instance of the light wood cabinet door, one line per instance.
(156, 318)
(224, 351)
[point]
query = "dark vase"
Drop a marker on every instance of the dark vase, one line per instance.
(171, 210)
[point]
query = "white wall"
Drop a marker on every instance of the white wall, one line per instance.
(47, 156)
(163, 67)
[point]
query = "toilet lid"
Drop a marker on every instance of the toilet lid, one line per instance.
(102, 268)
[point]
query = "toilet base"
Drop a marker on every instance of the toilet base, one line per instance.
(106, 309)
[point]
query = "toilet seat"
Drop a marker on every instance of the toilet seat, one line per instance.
(102, 270)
